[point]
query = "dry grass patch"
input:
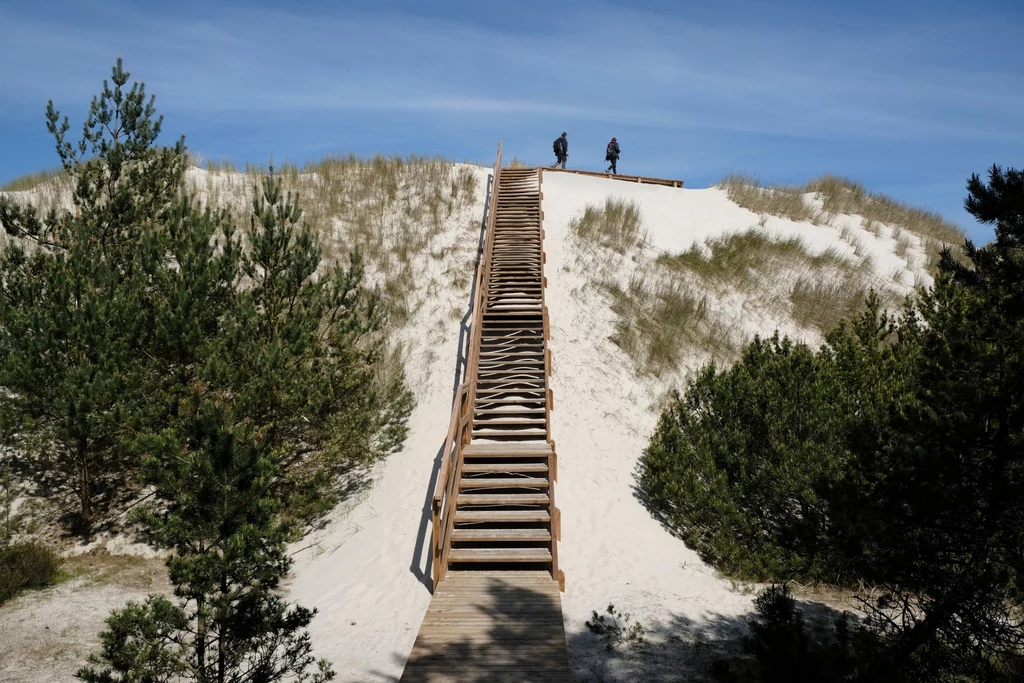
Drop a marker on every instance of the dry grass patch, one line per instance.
(742, 259)
(659, 320)
(31, 181)
(785, 201)
(842, 195)
(617, 226)
(822, 302)
(128, 571)
(394, 210)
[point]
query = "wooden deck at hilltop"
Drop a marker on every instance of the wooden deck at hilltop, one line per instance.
(667, 182)
(491, 627)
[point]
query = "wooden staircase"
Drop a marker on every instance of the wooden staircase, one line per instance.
(495, 524)
(503, 515)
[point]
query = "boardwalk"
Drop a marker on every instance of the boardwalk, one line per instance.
(490, 627)
(625, 178)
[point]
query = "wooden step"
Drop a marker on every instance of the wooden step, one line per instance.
(503, 391)
(511, 450)
(503, 483)
(497, 424)
(502, 499)
(499, 555)
(472, 535)
(503, 467)
(502, 516)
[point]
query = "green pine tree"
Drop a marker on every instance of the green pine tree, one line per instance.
(73, 300)
(221, 517)
(946, 510)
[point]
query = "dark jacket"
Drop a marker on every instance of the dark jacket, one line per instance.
(561, 146)
(612, 152)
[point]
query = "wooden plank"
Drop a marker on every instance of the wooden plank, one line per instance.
(500, 555)
(488, 467)
(501, 535)
(509, 516)
(503, 483)
(476, 450)
(502, 499)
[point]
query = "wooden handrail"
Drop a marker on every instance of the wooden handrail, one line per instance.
(460, 427)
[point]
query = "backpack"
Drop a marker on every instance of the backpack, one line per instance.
(557, 146)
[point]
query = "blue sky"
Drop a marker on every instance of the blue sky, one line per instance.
(908, 98)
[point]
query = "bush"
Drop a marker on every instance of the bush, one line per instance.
(26, 565)
(750, 466)
(779, 636)
(787, 653)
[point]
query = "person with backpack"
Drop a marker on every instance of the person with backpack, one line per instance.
(611, 153)
(561, 146)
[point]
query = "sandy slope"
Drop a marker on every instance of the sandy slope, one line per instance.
(367, 571)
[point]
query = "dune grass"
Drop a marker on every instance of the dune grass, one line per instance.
(618, 225)
(842, 195)
(817, 290)
(741, 258)
(785, 201)
(392, 209)
(31, 181)
(822, 303)
(660, 320)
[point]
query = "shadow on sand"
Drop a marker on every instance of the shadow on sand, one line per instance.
(423, 574)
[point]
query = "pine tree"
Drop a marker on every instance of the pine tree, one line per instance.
(73, 299)
(262, 415)
(947, 509)
(222, 519)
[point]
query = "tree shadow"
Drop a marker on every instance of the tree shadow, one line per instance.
(112, 493)
(708, 650)
(424, 574)
(493, 628)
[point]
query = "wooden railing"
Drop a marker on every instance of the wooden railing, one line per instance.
(556, 514)
(460, 428)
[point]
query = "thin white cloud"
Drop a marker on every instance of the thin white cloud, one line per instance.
(607, 65)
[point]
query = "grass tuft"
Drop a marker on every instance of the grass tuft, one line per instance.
(32, 180)
(822, 303)
(617, 226)
(658, 320)
(842, 195)
(739, 258)
(785, 201)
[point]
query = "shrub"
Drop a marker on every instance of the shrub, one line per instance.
(746, 464)
(24, 566)
(615, 629)
(787, 653)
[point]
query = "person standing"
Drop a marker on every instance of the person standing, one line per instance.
(611, 153)
(561, 147)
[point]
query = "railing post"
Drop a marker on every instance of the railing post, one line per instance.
(436, 509)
